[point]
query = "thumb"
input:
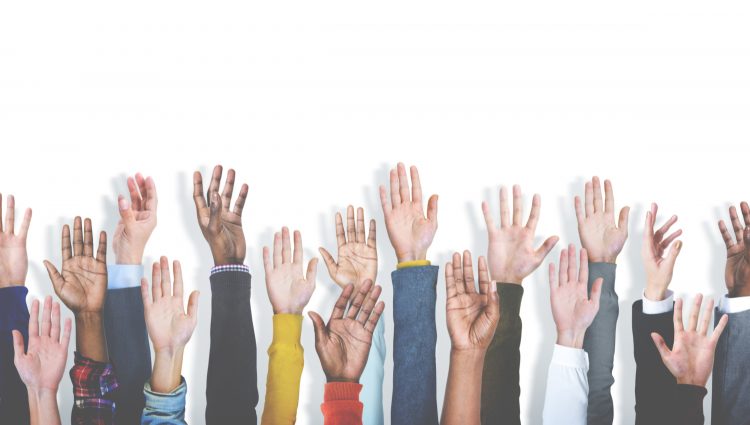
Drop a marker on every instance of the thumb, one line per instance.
(661, 346)
(674, 251)
(126, 213)
(432, 208)
(18, 347)
(319, 325)
(492, 309)
(192, 307)
(596, 291)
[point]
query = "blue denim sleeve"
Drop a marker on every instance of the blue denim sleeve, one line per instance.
(414, 338)
(163, 409)
(372, 379)
(13, 315)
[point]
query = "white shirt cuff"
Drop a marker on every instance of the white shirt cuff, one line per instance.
(658, 307)
(570, 357)
(734, 305)
(120, 276)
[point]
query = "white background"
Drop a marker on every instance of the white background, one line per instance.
(312, 101)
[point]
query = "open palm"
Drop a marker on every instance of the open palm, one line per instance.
(14, 261)
(472, 316)
(600, 235)
(737, 270)
(137, 220)
(289, 289)
(357, 256)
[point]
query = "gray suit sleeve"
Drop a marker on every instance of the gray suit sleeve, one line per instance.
(599, 343)
(414, 339)
(731, 380)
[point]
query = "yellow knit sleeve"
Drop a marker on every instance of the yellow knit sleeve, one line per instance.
(415, 263)
(285, 362)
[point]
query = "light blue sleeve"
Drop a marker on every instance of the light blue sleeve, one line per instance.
(164, 409)
(372, 379)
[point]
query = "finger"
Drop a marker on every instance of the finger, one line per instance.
(745, 213)
(198, 198)
(329, 261)
(504, 208)
(166, 279)
(622, 223)
(47, 316)
(297, 253)
(18, 346)
(597, 188)
(10, 215)
(372, 235)
(735, 223)
(488, 220)
(193, 302)
(351, 229)
(563, 273)
(55, 322)
(432, 208)
(369, 304)
(395, 194)
(156, 292)
(661, 346)
(135, 196)
(88, 239)
(226, 195)
(677, 317)
(359, 299)
(66, 251)
(728, 241)
(384, 201)
(340, 307)
(403, 184)
(665, 243)
(101, 250)
(609, 198)
(536, 208)
(239, 204)
(178, 286)
(546, 247)
(589, 199)
(23, 231)
(469, 273)
(719, 328)
(126, 213)
(580, 216)
(65, 341)
(484, 276)
(705, 320)
(340, 234)
(55, 277)
(312, 270)
(142, 189)
(360, 225)
(416, 186)
(553, 282)
(492, 309)
(572, 275)
(214, 218)
(458, 274)
(318, 325)
(152, 199)
(583, 268)
(375, 316)
(695, 312)
(286, 246)
(34, 320)
(517, 205)
(674, 251)
(77, 237)
(450, 282)
(213, 186)
(277, 259)
(659, 234)
(1, 212)
(145, 296)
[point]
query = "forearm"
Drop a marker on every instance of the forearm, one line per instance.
(566, 398)
(464, 388)
(500, 403)
(167, 370)
(14, 314)
(599, 343)
(43, 407)
(372, 379)
(90, 341)
(285, 363)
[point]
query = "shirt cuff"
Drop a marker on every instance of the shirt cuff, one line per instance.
(230, 268)
(92, 380)
(734, 305)
(287, 329)
(570, 357)
(415, 263)
(120, 276)
(170, 402)
(337, 391)
(658, 307)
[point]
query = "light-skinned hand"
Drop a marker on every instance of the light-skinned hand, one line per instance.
(137, 220)
(14, 261)
(659, 268)
(602, 238)
(289, 289)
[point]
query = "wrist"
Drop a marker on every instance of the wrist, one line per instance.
(468, 355)
(570, 337)
(655, 292)
(411, 255)
(128, 259)
(88, 317)
(167, 371)
(288, 310)
(503, 277)
(225, 261)
(692, 380)
(330, 379)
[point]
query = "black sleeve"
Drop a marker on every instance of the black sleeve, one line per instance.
(688, 405)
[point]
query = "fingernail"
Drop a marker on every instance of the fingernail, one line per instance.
(123, 204)
(678, 245)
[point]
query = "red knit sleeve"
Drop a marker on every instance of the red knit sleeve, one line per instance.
(341, 405)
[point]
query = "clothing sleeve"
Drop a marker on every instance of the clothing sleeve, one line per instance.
(731, 380)
(599, 343)
(414, 338)
(688, 405)
(341, 405)
(164, 409)
(654, 385)
(232, 382)
(503, 359)
(566, 397)
(127, 340)
(14, 315)
(285, 362)
(372, 378)
(93, 385)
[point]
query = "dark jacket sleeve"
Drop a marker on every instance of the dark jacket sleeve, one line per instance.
(232, 382)
(688, 405)
(500, 387)
(14, 314)
(599, 343)
(129, 352)
(654, 385)
(414, 339)
(731, 380)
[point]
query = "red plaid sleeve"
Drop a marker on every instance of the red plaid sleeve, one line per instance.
(93, 384)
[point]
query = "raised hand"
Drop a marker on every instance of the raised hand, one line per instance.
(289, 289)
(221, 227)
(737, 271)
(572, 309)
(82, 285)
(410, 232)
(169, 326)
(600, 236)
(357, 256)
(137, 220)
(472, 316)
(344, 343)
(659, 268)
(14, 262)
(691, 358)
(511, 251)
